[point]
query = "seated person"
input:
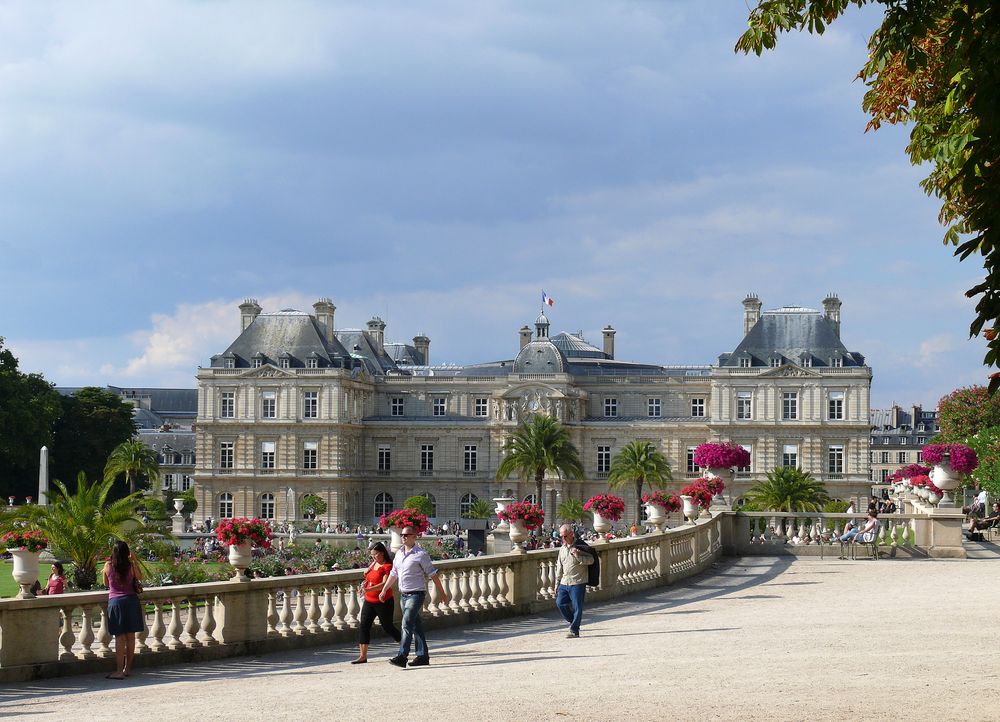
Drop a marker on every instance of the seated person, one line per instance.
(972, 533)
(869, 526)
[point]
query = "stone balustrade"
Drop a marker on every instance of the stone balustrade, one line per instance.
(67, 634)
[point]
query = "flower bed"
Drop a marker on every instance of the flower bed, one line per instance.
(25, 540)
(699, 493)
(402, 518)
(962, 458)
(609, 506)
(667, 502)
(242, 530)
(908, 472)
(721, 456)
(531, 514)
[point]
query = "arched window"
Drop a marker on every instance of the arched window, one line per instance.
(225, 505)
(466, 504)
(433, 501)
(383, 503)
(530, 498)
(267, 506)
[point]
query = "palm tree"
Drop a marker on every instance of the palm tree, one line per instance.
(788, 489)
(639, 463)
(82, 526)
(541, 444)
(133, 459)
(571, 510)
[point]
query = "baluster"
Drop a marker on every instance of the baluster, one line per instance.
(103, 637)
(174, 628)
(299, 615)
(475, 588)
(502, 587)
(67, 638)
(140, 637)
(454, 592)
(463, 585)
(272, 614)
(545, 584)
(192, 624)
(353, 607)
(285, 615)
(624, 567)
(158, 629)
(893, 526)
(326, 613)
(313, 615)
(207, 634)
(432, 602)
(491, 588)
(87, 632)
(789, 530)
(651, 565)
(836, 531)
(881, 535)
(776, 529)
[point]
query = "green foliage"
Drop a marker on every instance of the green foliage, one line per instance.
(788, 489)
(480, 509)
(986, 444)
(190, 503)
(571, 510)
(420, 503)
(965, 412)
(83, 525)
(539, 445)
(639, 463)
(183, 571)
(836, 506)
(747, 505)
(313, 506)
(93, 423)
(931, 64)
(29, 407)
(135, 460)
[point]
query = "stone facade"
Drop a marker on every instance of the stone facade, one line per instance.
(295, 407)
(897, 435)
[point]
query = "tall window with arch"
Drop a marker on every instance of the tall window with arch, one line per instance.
(530, 498)
(383, 503)
(225, 505)
(267, 506)
(465, 506)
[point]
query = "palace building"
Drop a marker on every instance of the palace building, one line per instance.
(296, 406)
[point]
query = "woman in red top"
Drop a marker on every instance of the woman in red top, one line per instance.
(375, 578)
(57, 580)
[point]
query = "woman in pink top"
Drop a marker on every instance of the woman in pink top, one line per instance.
(57, 580)
(125, 618)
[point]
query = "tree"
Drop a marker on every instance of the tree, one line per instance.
(421, 503)
(93, 422)
(932, 64)
(571, 510)
(135, 460)
(29, 407)
(639, 463)
(965, 412)
(788, 489)
(480, 509)
(313, 506)
(986, 444)
(539, 445)
(83, 525)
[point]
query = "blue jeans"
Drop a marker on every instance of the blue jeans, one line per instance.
(569, 599)
(849, 536)
(413, 627)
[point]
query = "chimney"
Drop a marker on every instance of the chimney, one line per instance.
(324, 310)
(831, 309)
(525, 334)
(376, 328)
(423, 346)
(751, 312)
(249, 310)
(609, 341)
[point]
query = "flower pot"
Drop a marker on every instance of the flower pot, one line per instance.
(691, 509)
(502, 502)
(601, 525)
(656, 516)
(240, 558)
(518, 534)
(946, 479)
(719, 501)
(395, 539)
(25, 571)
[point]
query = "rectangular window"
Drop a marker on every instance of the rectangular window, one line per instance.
(310, 405)
(903, 441)
(775, 361)
(312, 363)
(396, 405)
(698, 408)
(268, 404)
(603, 459)
(230, 363)
(384, 457)
(790, 405)
(746, 469)
(920, 456)
(427, 458)
(439, 406)
(482, 407)
(837, 362)
(610, 406)
(921, 427)
(901, 457)
(790, 455)
(267, 506)
(310, 454)
(186, 482)
(226, 455)
(835, 406)
(227, 408)
(653, 408)
(283, 363)
(883, 457)
(471, 458)
(267, 454)
(871, 457)
(168, 482)
(744, 405)
(257, 363)
(691, 468)
(836, 459)
(744, 362)
(921, 440)
(885, 440)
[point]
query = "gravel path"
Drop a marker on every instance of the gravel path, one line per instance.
(756, 638)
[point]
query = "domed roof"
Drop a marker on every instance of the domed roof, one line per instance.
(542, 319)
(540, 357)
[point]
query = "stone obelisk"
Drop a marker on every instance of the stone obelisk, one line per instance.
(43, 476)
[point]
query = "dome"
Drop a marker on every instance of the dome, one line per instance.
(542, 319)
(540, 357)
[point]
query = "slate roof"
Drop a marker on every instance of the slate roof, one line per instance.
(171, 402)
(793, 333)
(404, 354)
(575, 346)
(289, 331)
(174, 440)
(540, 356)
(361, 346)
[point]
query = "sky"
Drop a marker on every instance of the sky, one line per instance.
(439, 164)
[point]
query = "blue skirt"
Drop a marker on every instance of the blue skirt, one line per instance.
(125, 615)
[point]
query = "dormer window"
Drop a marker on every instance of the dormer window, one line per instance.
(229, 362)
(312, 363)
(257, 363)
(836, 362)
(807, 360)
(744, 362)
(775, 361)
(283, 362)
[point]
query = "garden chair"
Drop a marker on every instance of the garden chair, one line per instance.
(869, 540)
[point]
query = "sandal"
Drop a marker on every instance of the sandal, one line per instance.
(359, 661)
(112, 676)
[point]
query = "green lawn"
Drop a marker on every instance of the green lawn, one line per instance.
(8, 587)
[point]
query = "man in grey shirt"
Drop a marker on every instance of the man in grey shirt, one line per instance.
(571, 579)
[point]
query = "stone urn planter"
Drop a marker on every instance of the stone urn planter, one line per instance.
(946, 479)
(656, 516)
(601, 525)
(518, 534)
(240, 558)
(691, 510)
(726, 474)
(502, 502)
(395, 539)
(25, 571)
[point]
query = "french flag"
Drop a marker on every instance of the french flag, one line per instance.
(547, 299)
